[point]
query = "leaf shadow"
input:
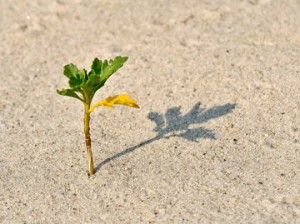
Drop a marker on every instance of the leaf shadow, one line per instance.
(175, 124)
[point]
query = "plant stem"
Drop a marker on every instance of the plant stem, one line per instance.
(88, 138)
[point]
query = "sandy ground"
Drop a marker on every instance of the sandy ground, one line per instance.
(216, 139)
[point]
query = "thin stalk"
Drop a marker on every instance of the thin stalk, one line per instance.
(88, 138)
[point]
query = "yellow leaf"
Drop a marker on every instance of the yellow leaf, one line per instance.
(112, 100)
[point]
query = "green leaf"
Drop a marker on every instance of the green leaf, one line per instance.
(88, 83)
(105, 69)
(109, 68)
(70, 70)
(75, 76)
(69, 92)
(97, 66)
(93, 80)
(89, 87)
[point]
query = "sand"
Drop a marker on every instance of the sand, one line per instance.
(216, 139)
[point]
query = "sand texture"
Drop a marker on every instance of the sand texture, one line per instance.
(216, 139)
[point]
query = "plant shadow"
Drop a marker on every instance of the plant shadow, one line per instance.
(174, 124)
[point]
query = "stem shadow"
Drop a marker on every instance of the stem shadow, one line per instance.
(174, 124)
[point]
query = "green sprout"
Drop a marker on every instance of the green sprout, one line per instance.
(84, 85)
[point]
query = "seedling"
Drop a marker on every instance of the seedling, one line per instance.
(84, 85)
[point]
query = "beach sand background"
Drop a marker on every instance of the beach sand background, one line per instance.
(216, 139)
